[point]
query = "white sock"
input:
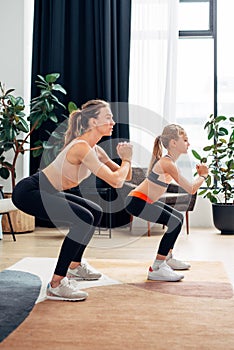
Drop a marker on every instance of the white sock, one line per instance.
(156, 264)
(169, 256)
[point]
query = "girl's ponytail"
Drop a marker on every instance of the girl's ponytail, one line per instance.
(156, 154)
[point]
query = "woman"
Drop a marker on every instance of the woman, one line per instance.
(144, 203)
(42, 196)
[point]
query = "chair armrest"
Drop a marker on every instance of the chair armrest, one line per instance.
(6, 205)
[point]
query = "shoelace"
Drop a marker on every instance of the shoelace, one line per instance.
(72, 285)
(85, 267)
(167, 267)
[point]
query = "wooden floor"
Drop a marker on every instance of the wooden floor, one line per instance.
(199, 245)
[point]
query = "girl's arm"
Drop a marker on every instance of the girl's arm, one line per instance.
(190, 187)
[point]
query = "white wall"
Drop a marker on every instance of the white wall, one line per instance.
(16, 20)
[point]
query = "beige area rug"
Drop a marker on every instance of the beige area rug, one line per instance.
(204, 279)
(44, 268)
(196, 313)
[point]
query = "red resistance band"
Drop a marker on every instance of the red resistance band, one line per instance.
(141, 196)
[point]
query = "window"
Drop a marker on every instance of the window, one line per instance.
(225, 58)
(197, 17)
(194, 16)
(196, 68)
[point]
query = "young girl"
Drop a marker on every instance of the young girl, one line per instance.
(144, 203)
(42, 196)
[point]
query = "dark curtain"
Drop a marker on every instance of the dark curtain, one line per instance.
(88, 43)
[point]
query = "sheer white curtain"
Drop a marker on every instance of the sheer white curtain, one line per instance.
(154, 36)
(153, 66)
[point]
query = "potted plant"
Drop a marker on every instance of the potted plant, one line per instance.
(220, 181)
(16, 128)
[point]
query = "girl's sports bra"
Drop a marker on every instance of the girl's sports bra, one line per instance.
(153, 177)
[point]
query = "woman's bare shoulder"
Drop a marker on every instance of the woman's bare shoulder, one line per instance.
(78, 151)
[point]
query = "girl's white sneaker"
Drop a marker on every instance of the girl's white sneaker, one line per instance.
(164, 273)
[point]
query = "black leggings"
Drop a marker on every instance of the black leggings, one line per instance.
(36, 196)
(161, 213)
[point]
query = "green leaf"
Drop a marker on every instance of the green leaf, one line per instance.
(58, 87)
(23, 121)
(45, 93)
(37, 104)
(202, 192)
(208, 148)
(51, 78)
(42, 78)
(204, 160)
(7, 164)
(12, 99)
(212, 198)
(61, 104)
(72, 107)
(47, 104)
(22, 127)
(4, 173)
(220, 118)
(216, 192)
(41, 86)
(196, 155)
(222, 131)
(9, 91)
(54, 118)
(38, 143)
(211, 134)
(206, 125)
(40, 121)
(20, 101)
(208, 180)
(37, 152)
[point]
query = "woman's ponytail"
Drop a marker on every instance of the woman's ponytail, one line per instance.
(74, 127)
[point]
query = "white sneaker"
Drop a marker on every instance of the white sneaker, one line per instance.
(164, 273)
(82, 272)
(66, 290)
(176, 264)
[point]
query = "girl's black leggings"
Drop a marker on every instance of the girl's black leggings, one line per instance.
(36, 196)
(161, 213)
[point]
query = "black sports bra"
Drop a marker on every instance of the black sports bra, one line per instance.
(154, 176)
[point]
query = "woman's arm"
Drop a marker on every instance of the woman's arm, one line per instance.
(104, 158)
(83, 153)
